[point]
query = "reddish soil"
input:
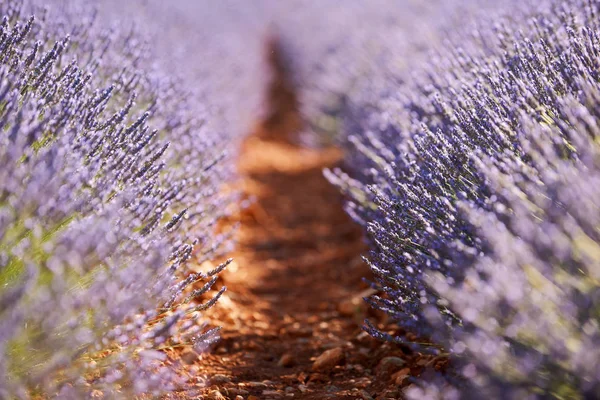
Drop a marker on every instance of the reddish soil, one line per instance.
(293, 311)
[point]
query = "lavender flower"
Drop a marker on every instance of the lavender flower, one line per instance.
(109, 183)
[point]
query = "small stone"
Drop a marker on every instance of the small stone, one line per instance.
(302, 388)
(239, 392)
(238, 397)
(252, 345)
(329, 359)
(364, 351)
(286, 360)
(389, 365)
(216, 395)
(347, 308)
(399, 377)
(364, 395)
(300, 332)
(362, 383)
(256, 385)
(302, 377)
(315, 377)
(220, 379)
(272, 393)
(189, 357)
(424, 362)
(289, 389)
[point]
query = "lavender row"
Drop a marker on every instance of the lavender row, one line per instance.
(112, 165)
(474, 173)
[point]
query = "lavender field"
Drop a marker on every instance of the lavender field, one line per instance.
(154, 153)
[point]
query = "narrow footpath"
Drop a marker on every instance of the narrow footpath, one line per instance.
(293, 311)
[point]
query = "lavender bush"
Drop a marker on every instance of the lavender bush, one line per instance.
(530, 305)
(475, 178)
(109, 183)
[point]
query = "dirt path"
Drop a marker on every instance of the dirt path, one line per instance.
(293, 311)
(289, 300)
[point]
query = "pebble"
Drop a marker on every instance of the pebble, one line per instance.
(302, 377)
(365, 395)
(347, 308)
(286, 360)
(298, 330)
(256, 385)
(272, 393)
(356, 367)
(302, 388)
(389, 365)
(189, 357)
(424, 362)
(329, 359)
(364, 351)
(312, 319)
(238, 397)
(361, 382)
(301, 332)
(316, 377)
(216, 395)
(332, 388)
(399, 377)
(220, 379)
(239, 392)
(252, 345)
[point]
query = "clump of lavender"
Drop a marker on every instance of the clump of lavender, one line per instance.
(219, 45)
(530, 305)
(474, 179)
(98, 215)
